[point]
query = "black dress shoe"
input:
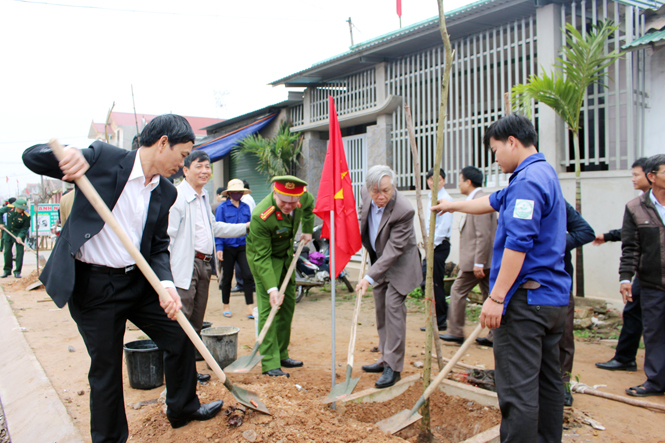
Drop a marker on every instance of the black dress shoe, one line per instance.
(452, 338)
(5, 274)
(202, 377)
(236, 288)
(388, 378)
(441, 328)
(17, 275)
(290, 363)
(204, 412)
(567, 398)
(376, 367)
(614, 365)
(485, 342)
(277, 373)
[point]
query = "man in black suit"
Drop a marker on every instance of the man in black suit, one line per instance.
(91, 270)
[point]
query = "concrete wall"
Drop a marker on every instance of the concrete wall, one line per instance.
(604, 196)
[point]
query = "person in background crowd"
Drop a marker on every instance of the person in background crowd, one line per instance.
(578, 233)
(642, 246)
(232, 251)
(631, 331)
(192, 247)
(18, 224)
(476, 241)
(388, 235)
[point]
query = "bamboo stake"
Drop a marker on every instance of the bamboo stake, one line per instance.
(421, 219)
(425, 432)
(584, 389)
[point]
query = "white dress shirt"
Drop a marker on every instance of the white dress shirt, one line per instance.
(247, 198)
(444, 223)
(203, 237)
(131, 211)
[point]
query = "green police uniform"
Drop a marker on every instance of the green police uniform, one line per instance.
(18, 224)
(269, 253)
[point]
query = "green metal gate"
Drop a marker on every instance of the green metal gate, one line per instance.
(244, 168)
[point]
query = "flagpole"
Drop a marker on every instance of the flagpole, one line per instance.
(332, 291)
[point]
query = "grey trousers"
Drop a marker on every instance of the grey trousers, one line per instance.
(527, 373)
(391, 325)
(195, 299)
(462, 285)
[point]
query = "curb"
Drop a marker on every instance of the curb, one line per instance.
(33, 410)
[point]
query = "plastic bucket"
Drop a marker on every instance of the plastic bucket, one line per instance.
(206, 325)
(222, 342)
(145, 364)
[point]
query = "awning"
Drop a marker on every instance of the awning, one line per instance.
(222, 146)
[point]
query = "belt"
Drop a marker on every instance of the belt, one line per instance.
(205, 257)
(530, 284)
(99, 269)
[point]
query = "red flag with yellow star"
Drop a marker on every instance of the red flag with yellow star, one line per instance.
(336, 193)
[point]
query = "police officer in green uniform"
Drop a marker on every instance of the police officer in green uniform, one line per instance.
(274, 223)
(18, 223)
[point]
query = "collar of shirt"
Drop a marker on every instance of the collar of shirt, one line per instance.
(190, 193)
(376, 209)
(537, 157)
(473, 194)
(137, 172)
(660, 208)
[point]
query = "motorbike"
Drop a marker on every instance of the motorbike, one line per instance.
(312, 269)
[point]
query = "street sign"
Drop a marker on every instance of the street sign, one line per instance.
(46, 217)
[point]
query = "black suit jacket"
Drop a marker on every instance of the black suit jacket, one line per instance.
(109, 171)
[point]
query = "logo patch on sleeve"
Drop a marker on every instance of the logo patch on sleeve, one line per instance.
(523, 209)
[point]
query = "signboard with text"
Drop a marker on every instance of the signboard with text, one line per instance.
(45, 217)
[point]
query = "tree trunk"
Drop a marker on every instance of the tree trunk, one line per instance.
(579, 254)
(425, 431)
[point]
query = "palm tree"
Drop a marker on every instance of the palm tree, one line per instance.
(278, 155)
(583, 64)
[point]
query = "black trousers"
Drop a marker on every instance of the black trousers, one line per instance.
(233, 255)
(653, 314)
(439, 273)
(528, 379)
(567, 342)
(631, 331)
(101, 305)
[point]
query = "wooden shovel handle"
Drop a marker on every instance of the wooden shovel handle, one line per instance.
(356, 312)
(96, 201)
(285, 283)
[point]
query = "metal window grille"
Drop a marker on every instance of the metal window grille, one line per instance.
(352, 93)
(355, 149)
(296, 115)
(485, 66)
(612, 117)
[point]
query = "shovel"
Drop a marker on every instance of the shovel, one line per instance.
(246, 364)
(403, 419)
(42, 260)
(342, 390)
(246, 398)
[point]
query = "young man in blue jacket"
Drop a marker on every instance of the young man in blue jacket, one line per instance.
(529, 287)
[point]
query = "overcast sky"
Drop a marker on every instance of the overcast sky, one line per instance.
(64, 62)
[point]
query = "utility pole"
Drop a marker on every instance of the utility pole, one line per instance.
(350, 29)
(136, 120)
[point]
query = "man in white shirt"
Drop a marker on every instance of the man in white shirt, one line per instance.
(442, 230)
(192, 246)
(91, 271)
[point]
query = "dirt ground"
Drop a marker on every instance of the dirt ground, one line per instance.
(295, 403)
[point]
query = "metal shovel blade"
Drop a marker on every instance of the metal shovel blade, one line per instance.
(399, 421)
(246, 398)
(341, 391)
(245, 363)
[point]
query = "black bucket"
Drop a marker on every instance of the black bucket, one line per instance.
(145, 364)
(206, 325)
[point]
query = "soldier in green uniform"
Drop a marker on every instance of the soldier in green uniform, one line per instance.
(274, 223)
(18, 223)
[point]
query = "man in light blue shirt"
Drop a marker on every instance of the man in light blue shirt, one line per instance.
(442, 230)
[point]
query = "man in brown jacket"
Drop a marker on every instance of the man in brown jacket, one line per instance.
(476, 242)
(386, 228)
(643, 252)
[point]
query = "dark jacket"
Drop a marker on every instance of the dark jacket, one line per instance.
(578, 233)
(109, 171)
(643, 243)
(613, 235)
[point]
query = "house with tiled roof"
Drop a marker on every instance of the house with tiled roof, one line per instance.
(122, 127)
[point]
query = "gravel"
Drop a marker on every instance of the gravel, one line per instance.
(4, 433)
